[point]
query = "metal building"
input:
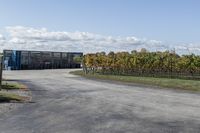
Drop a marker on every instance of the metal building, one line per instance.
(24, 60)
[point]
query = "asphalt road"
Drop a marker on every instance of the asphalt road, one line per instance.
(64, 103)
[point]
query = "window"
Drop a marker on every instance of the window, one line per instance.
(24, 57)
(57, 55)
(64, 54)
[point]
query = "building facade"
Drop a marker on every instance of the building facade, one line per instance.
(26, 60)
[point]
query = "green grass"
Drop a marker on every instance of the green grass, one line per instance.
(192, 85)
(8, 97)
(12, 86)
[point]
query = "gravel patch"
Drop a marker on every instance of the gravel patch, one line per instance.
(7, 107)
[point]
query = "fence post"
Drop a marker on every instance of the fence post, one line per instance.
(1, 71)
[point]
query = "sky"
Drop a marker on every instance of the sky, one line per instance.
(100, 25)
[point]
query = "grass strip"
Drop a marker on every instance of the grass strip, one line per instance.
(12, 86)
(8, 97)
(192, 85)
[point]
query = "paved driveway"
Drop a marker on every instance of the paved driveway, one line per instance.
(63, 103)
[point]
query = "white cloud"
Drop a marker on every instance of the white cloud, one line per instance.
(16, 40)
(188, 48)
(42, 34)
(2, 40)
(2, 37)
(20, 37)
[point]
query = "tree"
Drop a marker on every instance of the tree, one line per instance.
(143, 50)
(143, 63)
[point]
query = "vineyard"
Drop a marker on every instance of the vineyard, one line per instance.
(143, 63)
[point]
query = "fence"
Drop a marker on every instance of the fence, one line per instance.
(136, 72)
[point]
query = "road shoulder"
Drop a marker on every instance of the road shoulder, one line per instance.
(16, 91)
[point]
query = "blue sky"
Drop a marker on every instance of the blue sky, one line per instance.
(174, 22)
